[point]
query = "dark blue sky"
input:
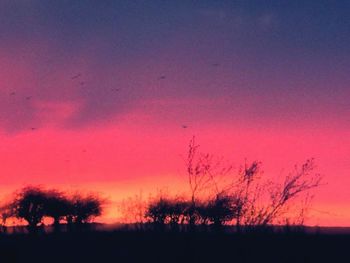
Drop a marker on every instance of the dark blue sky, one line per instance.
(287, 58)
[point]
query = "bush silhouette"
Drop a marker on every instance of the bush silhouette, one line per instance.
(157, 211)
(82, 209)
(174, 212)
(221, 209)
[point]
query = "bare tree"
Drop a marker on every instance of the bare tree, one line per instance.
(252, 200)
(268, 201)
(243, 191)
(295, 184)
(204, 173)
(197, 170)
(133, 210)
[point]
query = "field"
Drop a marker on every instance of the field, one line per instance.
(170, 246)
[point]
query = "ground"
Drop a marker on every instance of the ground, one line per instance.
(150, 246)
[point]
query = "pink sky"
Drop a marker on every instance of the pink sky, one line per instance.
(120, 160)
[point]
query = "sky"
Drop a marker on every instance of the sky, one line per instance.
(96, 94)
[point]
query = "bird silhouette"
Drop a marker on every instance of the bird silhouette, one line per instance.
(12, 93)
(115, 89)
(215, 64)
(33, 128)
(184, 126)
(28, 97)
(76, 76)
(161, 77)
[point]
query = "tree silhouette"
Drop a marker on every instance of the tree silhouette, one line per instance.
(29, 204)
(247, 199)
(157, 211)
(203, 173)
(264, 202)
(56, 205)
(165, 210)
(244, 193)
(33, 203)
(176, 212)
(82, 209)
(300, 181)
(221, 209)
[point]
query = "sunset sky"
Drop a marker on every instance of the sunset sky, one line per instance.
(95, 94)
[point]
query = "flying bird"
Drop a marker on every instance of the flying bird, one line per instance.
(33, 128)
(12, 93)
(184, 126)
(76, 76)
(161, 77)
(215, 64)
(28, 97)
(115, 89)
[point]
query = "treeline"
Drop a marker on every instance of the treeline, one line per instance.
(218, 195)
(175, 212)
(32, 204)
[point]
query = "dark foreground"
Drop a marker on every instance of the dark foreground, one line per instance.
(133, 246)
